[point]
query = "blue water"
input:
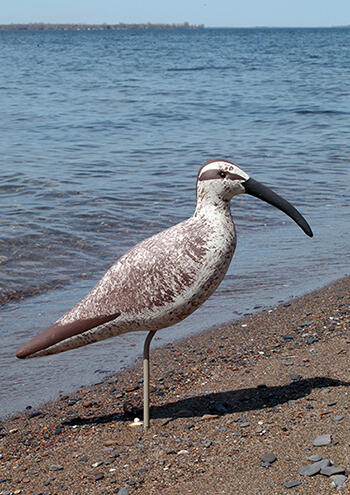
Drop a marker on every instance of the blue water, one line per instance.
(102, 134)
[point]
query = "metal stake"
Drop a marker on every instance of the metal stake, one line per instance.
(146, 379)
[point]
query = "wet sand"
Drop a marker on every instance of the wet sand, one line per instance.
(268, 383)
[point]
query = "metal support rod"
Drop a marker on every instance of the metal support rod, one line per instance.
(146, 379)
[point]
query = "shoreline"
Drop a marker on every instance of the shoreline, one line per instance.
(220, 400)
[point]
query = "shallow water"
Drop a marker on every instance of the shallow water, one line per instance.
(102, 134)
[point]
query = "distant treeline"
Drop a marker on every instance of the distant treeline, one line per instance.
(95, 27)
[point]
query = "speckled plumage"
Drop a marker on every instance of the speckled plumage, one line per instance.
(161, 280)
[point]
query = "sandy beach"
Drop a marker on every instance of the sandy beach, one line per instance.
(236, 409)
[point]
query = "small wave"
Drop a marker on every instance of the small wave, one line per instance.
(320, 112)
(200, 68)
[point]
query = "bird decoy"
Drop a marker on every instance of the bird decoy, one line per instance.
(166, 277)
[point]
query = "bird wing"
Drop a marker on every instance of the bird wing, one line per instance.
(60, 331)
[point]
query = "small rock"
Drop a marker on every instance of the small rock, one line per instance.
(322, 440)
(123, 491)
(207, 417)
(246, 424)
(220, 408)
(338, 481)
(330, 470)
(207, 443)
(183, 451)
(99, 477)
(270, 458)
(136, 422)
(295, 378)
(97, 464)
(292, 484)
(314, 458)
(312, 469)
(35, 414)
(55, 467)
(336, 419)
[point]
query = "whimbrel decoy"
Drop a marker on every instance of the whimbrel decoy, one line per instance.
(166, 277)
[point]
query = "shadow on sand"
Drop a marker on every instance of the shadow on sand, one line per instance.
(222, 403)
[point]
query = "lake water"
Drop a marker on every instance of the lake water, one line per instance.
(102, 134)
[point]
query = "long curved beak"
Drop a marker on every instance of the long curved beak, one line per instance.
(255, 188)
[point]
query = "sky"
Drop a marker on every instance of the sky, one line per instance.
(211, 13)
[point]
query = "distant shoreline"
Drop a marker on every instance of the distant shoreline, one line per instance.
(94, 27)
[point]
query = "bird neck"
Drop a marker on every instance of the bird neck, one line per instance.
(210, 204)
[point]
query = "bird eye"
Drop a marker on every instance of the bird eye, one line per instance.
(222, 174)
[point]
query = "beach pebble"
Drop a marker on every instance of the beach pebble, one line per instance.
(56, 467)
(331, 470)
(35, 414)
(207, 417)
(123, 491)
(292, 484)
(270, 458)
(312, 469)
(339, 480)
(220, 408)
(322, 440)
(244, 425)
(207, 443)
(99, 477)
(336, 419)
(295, 378)
(314, 458)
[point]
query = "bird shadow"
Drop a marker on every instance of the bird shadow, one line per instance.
(222, 403)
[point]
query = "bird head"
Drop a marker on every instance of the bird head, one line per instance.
(219, 180)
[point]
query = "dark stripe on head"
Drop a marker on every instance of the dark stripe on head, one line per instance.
(215, 174)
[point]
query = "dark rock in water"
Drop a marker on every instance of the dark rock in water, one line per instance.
(292, 484)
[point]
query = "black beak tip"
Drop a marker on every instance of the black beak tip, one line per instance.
(255, 188)
(309, 232)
